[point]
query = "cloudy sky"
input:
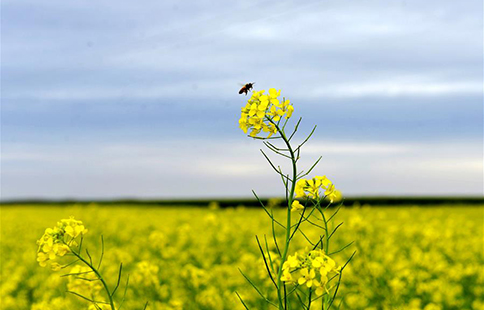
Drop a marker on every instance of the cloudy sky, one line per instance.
(112, 99)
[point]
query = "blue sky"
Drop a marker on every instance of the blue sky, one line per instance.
(139, 98)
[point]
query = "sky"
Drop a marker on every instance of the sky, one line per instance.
(139, 99)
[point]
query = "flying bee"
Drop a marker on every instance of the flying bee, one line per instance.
(246, 88)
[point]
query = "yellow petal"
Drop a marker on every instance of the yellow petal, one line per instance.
(290, 109)
(275, 101)
(273, 93)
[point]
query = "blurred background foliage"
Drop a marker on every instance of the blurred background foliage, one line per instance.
(188, 258)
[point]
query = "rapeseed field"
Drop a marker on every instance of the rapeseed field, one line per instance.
(412, 258)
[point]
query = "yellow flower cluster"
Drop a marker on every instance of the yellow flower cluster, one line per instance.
(311, 189)
(296, 206)
(312, 269)
(56, 241)
(262, 111)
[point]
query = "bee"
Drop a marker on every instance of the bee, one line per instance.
(246, 88)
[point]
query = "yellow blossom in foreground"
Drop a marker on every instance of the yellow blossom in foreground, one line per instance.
(291, 262)
(287, 277)
(262, 111)
(307, 277)
(332, 194)
(312, 189)
(296, 206)
(312, 269)
(55, 242)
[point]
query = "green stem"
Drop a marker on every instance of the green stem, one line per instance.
(325, 228)
(111, 302)
(288, 226)
(325, 302)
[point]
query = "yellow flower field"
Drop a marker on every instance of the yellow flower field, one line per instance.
(407, 258)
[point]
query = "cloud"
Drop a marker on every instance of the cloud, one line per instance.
(331, 50)
(210, 169)
(347, 148)
(89, 91)
(206, 89)
(397, 88)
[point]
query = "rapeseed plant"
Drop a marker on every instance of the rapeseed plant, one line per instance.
(312, 271)
(85, 281)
